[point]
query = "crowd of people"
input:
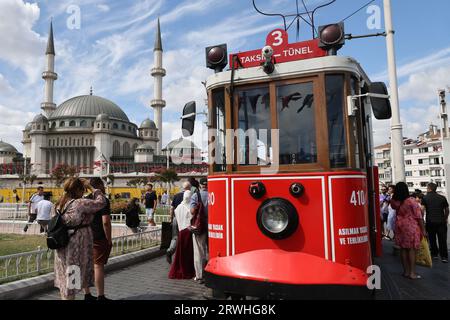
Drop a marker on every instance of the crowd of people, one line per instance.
(85, 210)
(408, 217)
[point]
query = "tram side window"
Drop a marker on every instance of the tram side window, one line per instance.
(296, 123)
(336, 129)
(355, 125)
(254, 125)
(218, 105)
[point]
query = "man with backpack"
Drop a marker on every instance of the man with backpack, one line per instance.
(102, 232)
(32, 206)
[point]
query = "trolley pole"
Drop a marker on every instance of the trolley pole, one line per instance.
(445, 135)
(397, 157)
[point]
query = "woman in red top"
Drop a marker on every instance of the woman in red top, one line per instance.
(409, 228)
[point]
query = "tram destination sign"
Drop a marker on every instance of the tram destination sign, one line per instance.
(283, 51)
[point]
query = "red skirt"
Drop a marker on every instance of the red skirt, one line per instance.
(183, 262)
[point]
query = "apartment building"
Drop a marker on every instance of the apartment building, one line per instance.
(423, 161)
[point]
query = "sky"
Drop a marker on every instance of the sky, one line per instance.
(110, 47)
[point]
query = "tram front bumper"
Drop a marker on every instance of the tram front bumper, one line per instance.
(286, 275)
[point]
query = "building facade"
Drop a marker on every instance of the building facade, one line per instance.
(424, 161)
(89, 131)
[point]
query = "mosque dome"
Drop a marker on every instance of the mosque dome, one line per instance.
(28, 126)
(181, 143)
(148, 124)
(6, 147)
(88, 106)
(145, 147)
(40, 118)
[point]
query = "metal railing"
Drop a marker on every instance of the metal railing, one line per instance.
(27, 264)
(15, 211)
(120, 218)
(19, 212)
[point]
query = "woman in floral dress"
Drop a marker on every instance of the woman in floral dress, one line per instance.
(74, 266)
(409, 228)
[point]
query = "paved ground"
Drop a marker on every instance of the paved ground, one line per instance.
(435, 282)
(144, 281)
(149, 281)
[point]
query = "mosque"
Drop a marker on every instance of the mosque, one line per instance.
(89, 131)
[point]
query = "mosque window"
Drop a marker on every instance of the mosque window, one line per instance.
(104, 126)
(72, 123)
(151, 133)
(98, 125)
(82, 141)
(90, 142)
(126, 149)
(116, 148)
(129, 128)
(39, 127)
(115, 126)
(123, 127)
(83, 123)
(133, 149)
(44, 127)
(62, 124)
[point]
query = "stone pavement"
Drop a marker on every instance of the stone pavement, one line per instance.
(149, 281)
(435, 282)
(143, 281)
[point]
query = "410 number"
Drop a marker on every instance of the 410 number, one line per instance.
(358, 198)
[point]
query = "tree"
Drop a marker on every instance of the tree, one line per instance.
(168, 176)
(27, 178)
(63, 171)
(137, 182)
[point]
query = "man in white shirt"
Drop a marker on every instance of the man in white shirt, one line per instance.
(44, 208)
(32, 206)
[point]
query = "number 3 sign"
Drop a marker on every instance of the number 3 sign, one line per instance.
(277, 39)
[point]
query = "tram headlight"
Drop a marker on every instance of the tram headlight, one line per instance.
(332, 37)
(216, 57)
(277, 218)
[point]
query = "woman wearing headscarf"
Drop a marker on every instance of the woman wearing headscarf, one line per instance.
(409, 228)
(183, 262)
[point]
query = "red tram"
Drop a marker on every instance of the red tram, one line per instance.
(293, 185)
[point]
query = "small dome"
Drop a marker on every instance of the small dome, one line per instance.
(102, 117)
(148, 124)
(6, 147)
(145, 147)
(28, 126)
(40, 118)
(181, 143)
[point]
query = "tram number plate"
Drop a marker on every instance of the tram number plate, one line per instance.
(358, 198)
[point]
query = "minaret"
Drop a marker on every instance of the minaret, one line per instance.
(49, 76)
(158, 72)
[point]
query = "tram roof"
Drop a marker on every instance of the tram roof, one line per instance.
(289, 69)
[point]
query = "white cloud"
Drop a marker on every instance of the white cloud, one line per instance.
(422, 86)
(12, 124)
(103, 7)
(21, 46)
(5, 87)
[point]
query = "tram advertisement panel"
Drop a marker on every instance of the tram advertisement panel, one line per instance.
(218, 217)
(349, 216)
